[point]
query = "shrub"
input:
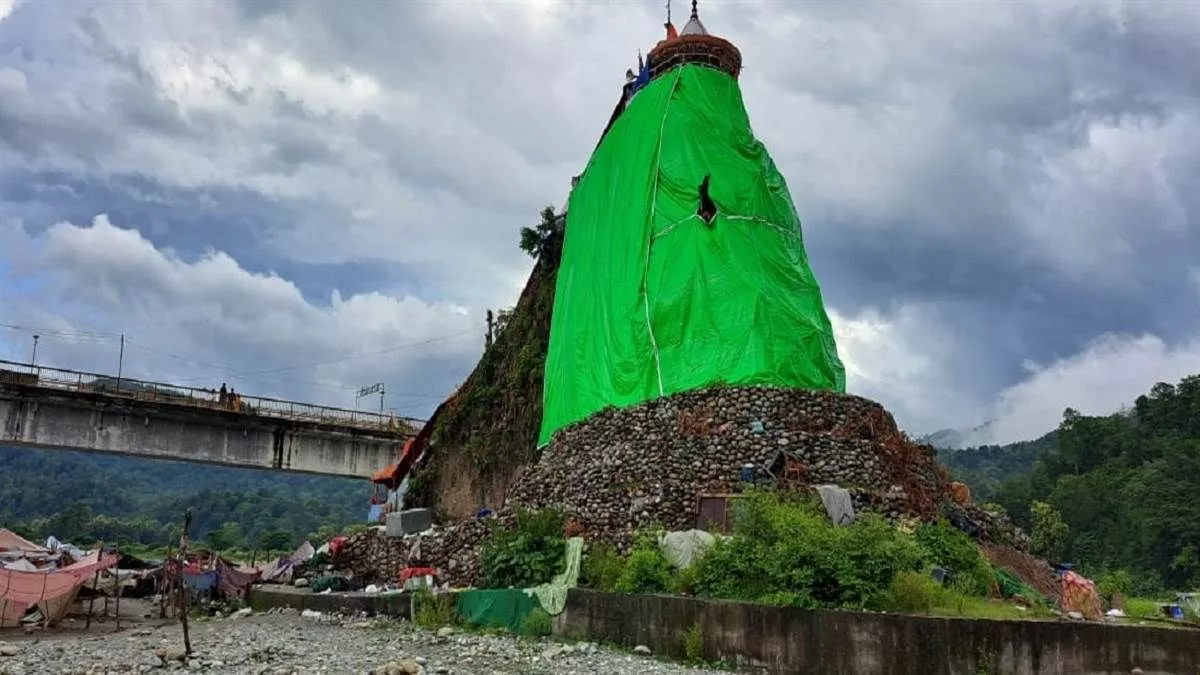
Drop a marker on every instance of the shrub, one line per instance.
(949, 547)
(432, 611)
(913, 592)
(647, 570)
(529, 554)
(1115, 582)
(693, 644)
(535, 624)
(683, 581)
(789, 550)
(602, 567)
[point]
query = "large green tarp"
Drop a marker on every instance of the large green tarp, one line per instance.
(650, 299)
(495, 607)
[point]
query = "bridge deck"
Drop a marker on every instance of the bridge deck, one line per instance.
(61, 379)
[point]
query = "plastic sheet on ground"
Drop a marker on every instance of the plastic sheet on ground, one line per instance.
(652, 300)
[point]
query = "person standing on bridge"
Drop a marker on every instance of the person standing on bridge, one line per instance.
(224, 394)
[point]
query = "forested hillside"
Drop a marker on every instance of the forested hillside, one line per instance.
(988, 468)
(83, 497)
(1110, 493)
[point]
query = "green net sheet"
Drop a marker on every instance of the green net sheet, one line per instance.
(651, 300)
(495, 608)
(553, 596)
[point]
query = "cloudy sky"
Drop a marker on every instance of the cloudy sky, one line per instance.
(1001, 200)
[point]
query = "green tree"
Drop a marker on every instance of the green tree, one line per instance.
(276, 540)
(228, 536)
(533, 239)
(1049, 536)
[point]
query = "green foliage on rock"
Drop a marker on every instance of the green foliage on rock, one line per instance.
(786, 551)
(528, 554)
(647, 570)
(493, 421)
(534, 239)
(950, 548)
(601, 567)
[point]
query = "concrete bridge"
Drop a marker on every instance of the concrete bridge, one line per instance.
(45, 407)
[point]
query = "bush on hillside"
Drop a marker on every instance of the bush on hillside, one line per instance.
(1114, 583)
(601, 567)
(949, 547)
(530, 553)
(647, 570)
(786, 551)
(914, 593)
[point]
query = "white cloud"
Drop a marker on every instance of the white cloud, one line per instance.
(905, 360)
(1108, 374)
(209, 320)
(1055, 138)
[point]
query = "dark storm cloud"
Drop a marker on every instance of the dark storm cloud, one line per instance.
(1003, 181)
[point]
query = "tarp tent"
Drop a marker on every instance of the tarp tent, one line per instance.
(651, 299)
(51, 591)
(11, 541)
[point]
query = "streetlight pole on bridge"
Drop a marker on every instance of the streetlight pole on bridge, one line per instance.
(33, 357)
(367, 391)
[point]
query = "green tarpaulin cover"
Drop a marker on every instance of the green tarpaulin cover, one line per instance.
(495, 608)
(651, 300)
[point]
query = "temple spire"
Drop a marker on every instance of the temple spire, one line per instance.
(694, 26)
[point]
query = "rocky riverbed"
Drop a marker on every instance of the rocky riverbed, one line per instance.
(287, 643)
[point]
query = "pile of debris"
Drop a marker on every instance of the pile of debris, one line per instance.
(622, 469)
(652, 464)
(374, 557)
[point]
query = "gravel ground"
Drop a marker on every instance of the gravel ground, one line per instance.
(285, 643)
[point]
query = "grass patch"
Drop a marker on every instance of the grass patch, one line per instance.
(535, 624)
(693, 644)
(969, 607)
(432, 611)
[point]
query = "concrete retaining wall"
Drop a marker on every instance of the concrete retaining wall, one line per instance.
(787, 640)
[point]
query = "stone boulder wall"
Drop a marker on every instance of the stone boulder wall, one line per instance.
(646, 465)
(374, 557)
(622, 469)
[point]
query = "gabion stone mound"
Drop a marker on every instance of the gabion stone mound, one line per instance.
(622, 469)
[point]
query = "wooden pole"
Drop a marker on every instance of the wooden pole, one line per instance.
(92, 603)
(164, 584)
(183, 542)
(117, 584)
(95, 587)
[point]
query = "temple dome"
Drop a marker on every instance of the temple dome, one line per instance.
(695, 45)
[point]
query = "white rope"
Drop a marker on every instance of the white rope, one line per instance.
(650, 240)
(672, 226)
(754, 219)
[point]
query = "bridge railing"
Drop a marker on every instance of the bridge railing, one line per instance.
(25, 374)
